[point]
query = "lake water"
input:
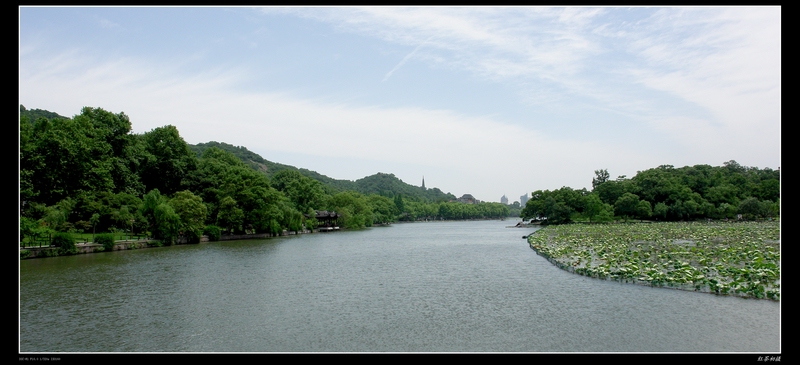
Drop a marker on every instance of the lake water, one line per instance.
(421, 287)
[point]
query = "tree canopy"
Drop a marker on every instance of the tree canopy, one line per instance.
(665, 193)
(91, 172)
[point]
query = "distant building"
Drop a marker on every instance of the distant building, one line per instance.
(423, 181)
(504, 200)
(522, 200)
(468, 199)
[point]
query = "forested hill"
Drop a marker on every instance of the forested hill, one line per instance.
(270, 168)
(389, 185)
(34, 114)
(91, 173)
(380, 183)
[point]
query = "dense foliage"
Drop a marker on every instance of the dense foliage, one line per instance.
(65, 243)
(213, 232)
(91, 173)
(665, 193)
(105, 239)
(382, 184)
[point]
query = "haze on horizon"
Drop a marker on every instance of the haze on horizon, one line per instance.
(480, 100)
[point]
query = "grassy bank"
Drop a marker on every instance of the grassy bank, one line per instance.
(733, 258)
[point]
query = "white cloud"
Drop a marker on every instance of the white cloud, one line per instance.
(730, 66)
(207, 107)
(529, 40)
(703, 84)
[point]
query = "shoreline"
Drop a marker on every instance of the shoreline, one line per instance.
(124, 245)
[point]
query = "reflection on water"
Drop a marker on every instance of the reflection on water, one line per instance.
(439, 286)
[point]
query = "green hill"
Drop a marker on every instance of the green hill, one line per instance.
(390, 185)
(380, 183)
(34, 114)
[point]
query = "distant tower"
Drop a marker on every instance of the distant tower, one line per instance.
(523, 199)
(504, 200)
(423, 181)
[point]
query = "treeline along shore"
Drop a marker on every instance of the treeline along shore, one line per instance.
(714, 229)
(90, 174)
(664, 193)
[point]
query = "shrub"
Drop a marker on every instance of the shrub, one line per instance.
(27, 227)
(65, 243)
(63, 240)
(213, 232)
(105, 239)
(192, 236)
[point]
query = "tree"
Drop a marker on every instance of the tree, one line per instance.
(752, 208)
(769, 190)
(292, 218)
(148, 208)
(27, 159)
(121, 150)
(29, 228)
(734, 166)
(627, 205)
(91, 153)
(554, 206)
(612, 190)
(606, 214)
(398, 203)
(61, 159)
(230, 216)
(383, 209)
(220, 174)
(167, 223)
(170, 160)
(593, 206)
(723, 193)
(311, 221)
(600, 176)
(192, 213)
(94, 220)
(660, 210)
(354, 207)
(643, 209)
(559, 213)
(302, 191)
(124, 217)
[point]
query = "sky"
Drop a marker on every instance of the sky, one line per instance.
(488, 101)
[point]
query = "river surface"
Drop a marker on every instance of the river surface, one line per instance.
(420, 287)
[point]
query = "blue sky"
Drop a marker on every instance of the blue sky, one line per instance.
(480, 100)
